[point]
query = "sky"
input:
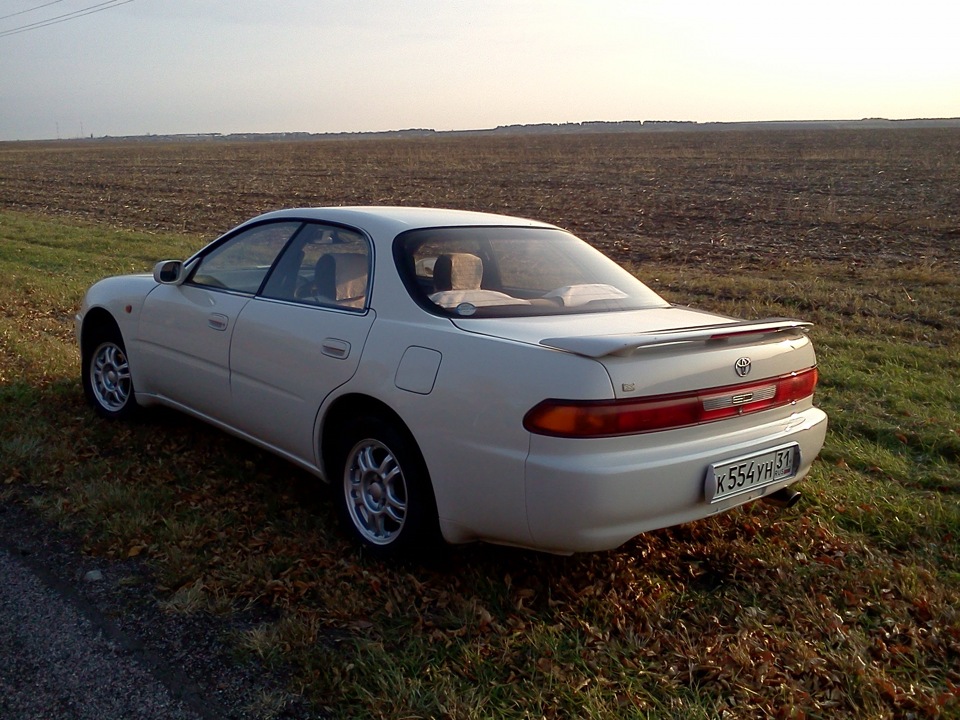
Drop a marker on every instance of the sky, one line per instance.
(136, 67)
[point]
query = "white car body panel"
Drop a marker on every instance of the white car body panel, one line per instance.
(122, 297)
(270, 371)
(661, 369)
(603, 492)
(468, 435)
(671, 369)
(534, 329)
(183, 345)
(278, 379)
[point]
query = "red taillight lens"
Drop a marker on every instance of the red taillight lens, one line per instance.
(797, 386)
(607, 418)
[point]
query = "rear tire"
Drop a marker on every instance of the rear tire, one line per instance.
(384, 498)
(107, 382)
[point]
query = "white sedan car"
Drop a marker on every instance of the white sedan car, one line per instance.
(462, 376)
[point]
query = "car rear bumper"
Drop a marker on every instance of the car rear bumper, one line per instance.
(595, 494)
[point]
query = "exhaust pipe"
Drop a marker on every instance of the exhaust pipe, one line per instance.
(783, 498)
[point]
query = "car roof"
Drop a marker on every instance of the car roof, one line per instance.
(394, 220)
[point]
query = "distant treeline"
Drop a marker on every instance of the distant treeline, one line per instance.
(589, 127)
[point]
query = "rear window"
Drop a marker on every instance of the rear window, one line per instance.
(509, 271)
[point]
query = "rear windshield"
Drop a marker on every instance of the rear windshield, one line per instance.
(510, 271)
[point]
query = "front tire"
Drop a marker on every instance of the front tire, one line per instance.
(385, 498)
(107, 382)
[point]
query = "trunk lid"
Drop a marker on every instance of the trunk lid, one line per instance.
(661, 351)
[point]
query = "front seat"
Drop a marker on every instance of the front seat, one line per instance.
(324, 283)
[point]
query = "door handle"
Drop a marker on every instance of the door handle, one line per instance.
(218, 321)
(332, 347)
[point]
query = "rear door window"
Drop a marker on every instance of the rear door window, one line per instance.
(323, 265)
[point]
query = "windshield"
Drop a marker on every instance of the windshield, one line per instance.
(514, 271)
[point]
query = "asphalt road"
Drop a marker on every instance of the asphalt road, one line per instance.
(84, 637)
(59, 660)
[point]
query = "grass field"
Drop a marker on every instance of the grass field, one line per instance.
(847, 605)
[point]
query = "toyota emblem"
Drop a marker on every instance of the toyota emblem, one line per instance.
(742, 366)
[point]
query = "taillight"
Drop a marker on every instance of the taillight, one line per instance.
(608, 418)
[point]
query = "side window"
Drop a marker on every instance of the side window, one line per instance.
(324, 265)
(243, 261)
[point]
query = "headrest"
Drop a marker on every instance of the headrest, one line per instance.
(351, 275)
(458, 271)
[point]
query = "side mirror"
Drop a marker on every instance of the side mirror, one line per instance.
(167, 272)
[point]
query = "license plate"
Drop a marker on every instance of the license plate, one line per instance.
(742, 475)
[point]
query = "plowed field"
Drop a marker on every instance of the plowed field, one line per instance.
(730, 198)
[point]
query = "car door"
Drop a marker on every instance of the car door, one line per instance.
(301, 337)
(186, 329)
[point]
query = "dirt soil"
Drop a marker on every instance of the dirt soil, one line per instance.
(735, 199)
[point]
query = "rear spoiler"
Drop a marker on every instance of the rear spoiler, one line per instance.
(625, 344)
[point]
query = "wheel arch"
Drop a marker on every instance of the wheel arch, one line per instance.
(112, 398)
(348, 406)
(344, 430)
(96, 323)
